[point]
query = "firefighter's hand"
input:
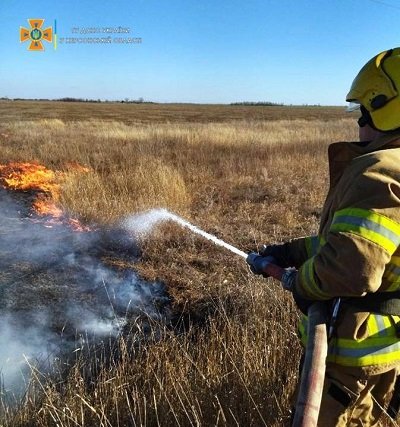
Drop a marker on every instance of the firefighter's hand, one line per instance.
(257, 263)
(279, 252)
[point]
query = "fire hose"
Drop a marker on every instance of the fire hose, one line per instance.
(313, 372)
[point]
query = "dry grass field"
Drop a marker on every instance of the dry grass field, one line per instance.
(249, 175)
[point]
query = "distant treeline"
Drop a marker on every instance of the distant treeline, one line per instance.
(71, 99)
(273, 104)
(261, 103)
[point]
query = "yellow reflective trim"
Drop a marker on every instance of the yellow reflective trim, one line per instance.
(366, 234)
(396, 319)
(309, 283)
(383, 323)
(370, 225)
(380, 325)
(373, 350)
(372, 325)
(379, 219)
(303, 270)
(391, 275)
(367, 343)
(389, 328)
(370, 351)
(312, 245)
(381, 346)
(391, 357)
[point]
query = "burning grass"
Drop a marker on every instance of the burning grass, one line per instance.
(231, 357)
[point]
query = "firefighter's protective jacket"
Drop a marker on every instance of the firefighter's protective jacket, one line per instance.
(357, 251)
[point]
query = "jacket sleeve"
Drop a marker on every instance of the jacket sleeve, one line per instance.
(300, 250)
(363, 236)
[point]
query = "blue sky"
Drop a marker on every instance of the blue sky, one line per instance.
(206, 51)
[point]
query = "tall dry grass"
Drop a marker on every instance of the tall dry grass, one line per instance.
(179, 166)
(234, 359)
(228, 373)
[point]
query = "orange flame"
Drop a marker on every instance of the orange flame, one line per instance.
(29, 176)
(43, 181)
(44, 206)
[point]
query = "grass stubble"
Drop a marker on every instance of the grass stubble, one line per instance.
(249, 181)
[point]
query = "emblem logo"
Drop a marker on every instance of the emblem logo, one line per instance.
(36, 34)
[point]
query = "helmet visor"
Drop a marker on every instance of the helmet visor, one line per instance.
(352, 106)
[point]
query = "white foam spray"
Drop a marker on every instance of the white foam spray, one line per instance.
(142, 224)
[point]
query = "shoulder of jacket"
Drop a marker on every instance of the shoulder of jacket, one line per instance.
(384, 163)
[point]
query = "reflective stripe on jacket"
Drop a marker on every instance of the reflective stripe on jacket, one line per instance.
(379, 346)
(357, 250)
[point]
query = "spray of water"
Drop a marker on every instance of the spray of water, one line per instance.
(142, 224)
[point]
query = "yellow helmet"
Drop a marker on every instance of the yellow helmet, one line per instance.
(376, 87)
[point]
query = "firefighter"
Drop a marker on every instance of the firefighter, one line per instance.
(355, 258)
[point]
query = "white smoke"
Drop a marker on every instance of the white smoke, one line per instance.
(55, 287)
(21, 346)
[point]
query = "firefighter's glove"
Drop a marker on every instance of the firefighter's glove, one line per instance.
(289, 279)
(289, 284)
(257, 263)
(279, 252)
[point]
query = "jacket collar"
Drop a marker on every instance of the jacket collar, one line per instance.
(340, 154)
(385, 141)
